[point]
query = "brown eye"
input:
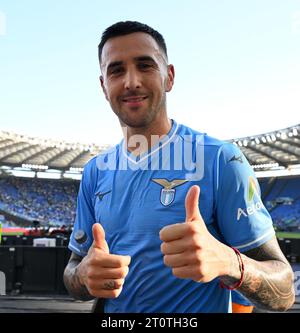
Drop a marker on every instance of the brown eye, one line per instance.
(116, 71)
(144, 66)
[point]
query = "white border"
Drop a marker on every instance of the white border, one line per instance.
(258, 239)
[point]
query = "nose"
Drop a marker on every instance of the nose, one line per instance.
(132, 80)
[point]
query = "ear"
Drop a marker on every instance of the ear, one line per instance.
(170, 79)
(103, 87)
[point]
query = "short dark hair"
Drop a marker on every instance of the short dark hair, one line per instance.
(128, 27)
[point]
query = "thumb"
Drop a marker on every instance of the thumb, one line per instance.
(191, 204)
(99, 238)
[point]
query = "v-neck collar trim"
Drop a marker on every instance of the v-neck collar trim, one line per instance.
(168, 138)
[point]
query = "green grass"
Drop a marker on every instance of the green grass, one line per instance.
(281, 234)
(12, 233)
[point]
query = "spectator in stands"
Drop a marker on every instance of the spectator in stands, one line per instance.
(48, 201)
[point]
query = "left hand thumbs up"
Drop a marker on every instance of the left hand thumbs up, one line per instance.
(180, 230)
(192, 212)
(189, 249)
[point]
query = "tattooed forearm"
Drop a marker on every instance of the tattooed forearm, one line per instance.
(72, 283)
(268, 278)
(268, 284)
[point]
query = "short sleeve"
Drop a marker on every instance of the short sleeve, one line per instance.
(85, 217)
(239, 298)
(242, 217)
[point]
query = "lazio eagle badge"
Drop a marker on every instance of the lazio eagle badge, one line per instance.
(167, 193)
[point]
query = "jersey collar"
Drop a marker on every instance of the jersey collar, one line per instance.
(153, 150)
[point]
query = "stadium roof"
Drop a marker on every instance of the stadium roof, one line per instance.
(269, 151)
(22, 151)
(279, 148)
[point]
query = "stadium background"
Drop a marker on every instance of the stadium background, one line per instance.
(237, 73)
(39, 182)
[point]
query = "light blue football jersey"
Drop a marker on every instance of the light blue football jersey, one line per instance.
(135, 197)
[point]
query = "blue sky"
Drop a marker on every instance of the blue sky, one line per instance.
(237, 65)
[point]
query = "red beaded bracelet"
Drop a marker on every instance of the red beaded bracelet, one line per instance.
(242, 269)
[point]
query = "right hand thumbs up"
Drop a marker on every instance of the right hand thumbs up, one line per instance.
(103, 273)
(99, 238)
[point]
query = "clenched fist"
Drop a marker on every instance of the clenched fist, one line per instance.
(190, 250)
(103, 273)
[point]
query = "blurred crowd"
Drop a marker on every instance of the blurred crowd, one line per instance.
(53, 202)
(283, 202)
(48, 201)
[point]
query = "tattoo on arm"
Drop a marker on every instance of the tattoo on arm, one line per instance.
(71, 280)
(268, 278)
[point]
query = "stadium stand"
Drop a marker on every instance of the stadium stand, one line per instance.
(48, 201)
(283, 202)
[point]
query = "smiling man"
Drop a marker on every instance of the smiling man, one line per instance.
(149, 242)
(135, 81)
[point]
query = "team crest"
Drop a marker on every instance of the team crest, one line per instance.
(167, 193)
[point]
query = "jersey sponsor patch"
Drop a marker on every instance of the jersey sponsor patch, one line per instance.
(252, 189)
(250, 210)
(252, 207)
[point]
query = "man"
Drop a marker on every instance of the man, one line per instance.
(151, 243)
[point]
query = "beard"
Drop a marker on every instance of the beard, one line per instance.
(140, 118)
(137, 119)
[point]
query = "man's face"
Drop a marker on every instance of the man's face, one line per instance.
(135, 78)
